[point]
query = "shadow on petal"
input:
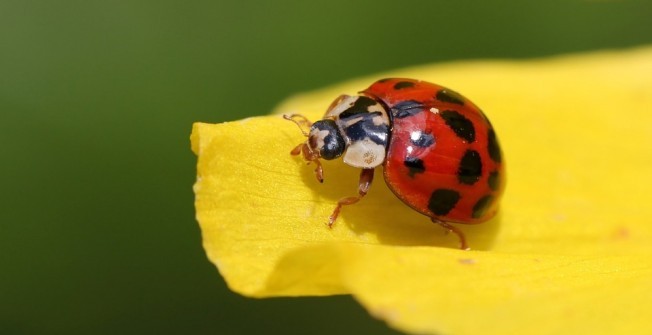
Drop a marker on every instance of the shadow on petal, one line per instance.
(383, 215)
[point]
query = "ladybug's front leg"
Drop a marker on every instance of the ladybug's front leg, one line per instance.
(366, 177)
(309, 156)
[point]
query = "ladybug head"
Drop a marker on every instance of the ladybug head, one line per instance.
(324, 141)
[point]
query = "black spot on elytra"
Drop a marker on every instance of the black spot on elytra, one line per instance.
(406, 108)
(361, 105)
(443, 201)
(423, 140)
(450, 96)
(481, 206)
(470, 168)
(462, 126)
(494, 180)
(415, 165)
(403, 84)
(493, 147)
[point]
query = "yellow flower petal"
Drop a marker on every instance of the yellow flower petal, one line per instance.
(569, 253)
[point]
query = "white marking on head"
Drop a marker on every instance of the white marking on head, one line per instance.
(319, 135)
(434, 110)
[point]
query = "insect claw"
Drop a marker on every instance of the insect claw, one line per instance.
(319, 171)
(331, 221)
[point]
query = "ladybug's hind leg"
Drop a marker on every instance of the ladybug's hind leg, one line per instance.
(366, 177)
(455, 231)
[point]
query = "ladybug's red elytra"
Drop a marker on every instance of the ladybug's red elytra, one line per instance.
(439, 152)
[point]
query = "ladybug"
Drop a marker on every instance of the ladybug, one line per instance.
(439, 152)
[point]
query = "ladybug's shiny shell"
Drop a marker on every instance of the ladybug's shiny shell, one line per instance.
(439, 152)
(443, 157)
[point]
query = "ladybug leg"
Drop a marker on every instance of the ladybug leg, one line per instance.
(453, 230)
(366, 177)
(319, 171)
(297, 149)
(310, 157)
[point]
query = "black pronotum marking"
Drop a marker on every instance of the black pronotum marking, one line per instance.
(403, 84)
(406, 108)
(424, 140)
(493, 147)
(361, 105)
(462, 126)
(443, 201)
(470, 168)
(481, 206)
(415, 165)
(450, 96)
(366, 128)
(494, 180)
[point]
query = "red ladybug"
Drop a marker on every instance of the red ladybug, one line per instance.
(439, 151)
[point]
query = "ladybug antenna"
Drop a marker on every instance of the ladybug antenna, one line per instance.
(300, 121)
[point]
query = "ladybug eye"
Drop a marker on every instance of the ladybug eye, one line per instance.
(325, 138)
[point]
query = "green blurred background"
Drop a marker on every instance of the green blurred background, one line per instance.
(97, 98)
